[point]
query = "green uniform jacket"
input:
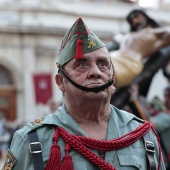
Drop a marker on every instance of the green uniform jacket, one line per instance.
(120, 123)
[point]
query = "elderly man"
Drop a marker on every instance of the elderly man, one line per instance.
(86, 132)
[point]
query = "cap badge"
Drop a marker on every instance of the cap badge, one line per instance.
(91, 43)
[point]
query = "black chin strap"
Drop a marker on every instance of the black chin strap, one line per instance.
(95, 89)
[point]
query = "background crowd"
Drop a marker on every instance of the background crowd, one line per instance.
(133, 96)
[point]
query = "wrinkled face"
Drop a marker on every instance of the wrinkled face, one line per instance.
(167, 98)
(94, 69)
(138, 21)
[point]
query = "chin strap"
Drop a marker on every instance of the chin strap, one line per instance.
(95, 89)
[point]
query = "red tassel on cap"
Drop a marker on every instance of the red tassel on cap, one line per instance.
(67, 160)
(54, 159)
(79, 49)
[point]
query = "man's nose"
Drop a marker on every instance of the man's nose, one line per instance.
(136, 22)
(94, 72)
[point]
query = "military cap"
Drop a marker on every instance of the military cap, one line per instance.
(77, 41)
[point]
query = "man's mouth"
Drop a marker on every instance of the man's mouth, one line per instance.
(92, 85)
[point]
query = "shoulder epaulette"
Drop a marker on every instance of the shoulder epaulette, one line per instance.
(35, 124)
(30, 126)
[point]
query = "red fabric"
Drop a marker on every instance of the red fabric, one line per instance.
(54, 159)
(67, 163)
(81, 143)
(54, 162)
(42, 87)
(79, 50)
(67, 160)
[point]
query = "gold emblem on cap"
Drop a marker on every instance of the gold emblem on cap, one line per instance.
(91, 43)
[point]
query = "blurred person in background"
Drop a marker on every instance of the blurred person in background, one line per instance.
(160, 119)
(86, 132)
(154, 59)
(156, 112)
(167, 99)
(139, 19)
(135, 48)
(4, 136)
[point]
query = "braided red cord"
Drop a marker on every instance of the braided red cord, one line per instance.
(117, 143)
(77, 145)
(54, 159)
(80, 143)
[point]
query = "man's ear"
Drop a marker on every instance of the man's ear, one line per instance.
(59, 82)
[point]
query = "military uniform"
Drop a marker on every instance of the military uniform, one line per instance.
(120, 123)
(80, 40)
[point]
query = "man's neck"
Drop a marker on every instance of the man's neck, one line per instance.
(86, 114)
(92, 120)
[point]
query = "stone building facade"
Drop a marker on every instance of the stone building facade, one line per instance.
(30, 34)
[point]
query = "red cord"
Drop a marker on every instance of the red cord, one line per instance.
(80, 144)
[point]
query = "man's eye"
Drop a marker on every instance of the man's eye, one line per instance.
(103, 63)
(83, 64)
(103, 66)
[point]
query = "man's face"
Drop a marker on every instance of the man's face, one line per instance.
(167, 98)
(94, 69)
(138, 21)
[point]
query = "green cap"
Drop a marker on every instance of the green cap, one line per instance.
(77, 41)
